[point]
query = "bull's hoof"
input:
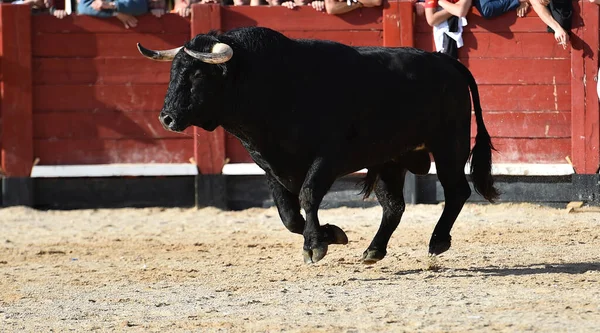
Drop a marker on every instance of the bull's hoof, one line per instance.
(438, 245)
(315, 254)
(371, 256)
(334, 235)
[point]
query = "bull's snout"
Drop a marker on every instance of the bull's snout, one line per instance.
(170, 123)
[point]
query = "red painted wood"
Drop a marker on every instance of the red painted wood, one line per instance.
(82, 98)
(511, 150)
(88, 45)
(392, 29)
(354, 38)
(502, 45)
(94, 151)
(206, 18)
(519, 71)
(147, 24)
(16, 152)
(578, 149)
(102, 125)
(407, 34)
(525, 97)
(236, 153)
(592, 112)
(508, 22)
(300, 18)
(209, 147)
(531, 125)
(526, 150)
(53, 71)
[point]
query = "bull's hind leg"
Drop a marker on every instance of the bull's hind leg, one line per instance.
(288, 206)
(450, 162)
(389, 191)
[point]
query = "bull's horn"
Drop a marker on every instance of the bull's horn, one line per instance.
(220, 53)
(164, 55)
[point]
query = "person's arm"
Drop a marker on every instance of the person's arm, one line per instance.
(561, 36)
(460, 9)
(433, 15)
(336, 7)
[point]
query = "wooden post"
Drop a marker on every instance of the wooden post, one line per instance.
(209, 146)
(398, 23)
(585, 119)
(16, 130)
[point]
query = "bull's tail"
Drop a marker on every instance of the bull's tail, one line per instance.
(481, 155)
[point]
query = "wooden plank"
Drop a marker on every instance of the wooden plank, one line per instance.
(236, 153)
(392, 32)
(591, 132)
(93, 151)
(508, 22)
(503, 45)
(519, 71)
(209, 147)
(77, 44)
(206, 18)
(531, 125)
(354, 38)
(16, 152)
(168, 23)
(102, 125)
(578, 99)
(281, 18)
(525, 150)
(511, 150)
(525, 97)
(80, 98)
(53, 71)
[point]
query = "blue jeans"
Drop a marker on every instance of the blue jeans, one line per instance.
(492, 8)
(131, 7)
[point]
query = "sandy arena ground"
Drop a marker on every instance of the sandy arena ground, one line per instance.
(512, 268)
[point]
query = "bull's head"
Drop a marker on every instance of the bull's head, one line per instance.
(195, 89)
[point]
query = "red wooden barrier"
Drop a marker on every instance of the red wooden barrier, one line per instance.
(95, 100)
(16, 158)
(210, 147)
(584, 98)
(76, 91)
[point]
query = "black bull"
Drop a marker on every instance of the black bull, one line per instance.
(310, 111)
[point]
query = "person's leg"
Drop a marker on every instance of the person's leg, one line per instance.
(493, 8)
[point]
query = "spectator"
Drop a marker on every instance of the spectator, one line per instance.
(157, 7)
(124, 10)
(557, 16)
(43, 6)
(336, 7)
(493, 8)
(182, 7)
(447, 19)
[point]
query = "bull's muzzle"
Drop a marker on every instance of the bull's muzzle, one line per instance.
(171, 123)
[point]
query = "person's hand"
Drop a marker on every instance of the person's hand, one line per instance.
(289, 4)
(157, 12)
(522, 9)
(183, 11)
(128, 20)
(561, 37)
(318, 5)
(60, 13)
(97, 5)
(301, 2)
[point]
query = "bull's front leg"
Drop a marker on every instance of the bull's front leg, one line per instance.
(288, 206)
(318, 180)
